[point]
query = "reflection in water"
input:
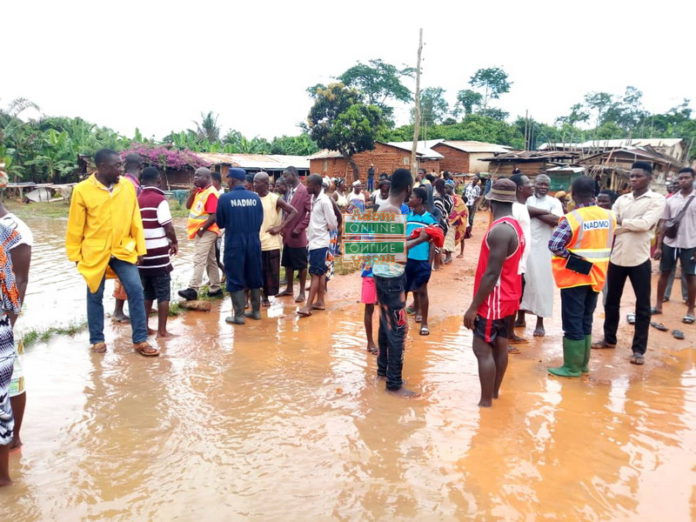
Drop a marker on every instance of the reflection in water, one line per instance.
(275, 420)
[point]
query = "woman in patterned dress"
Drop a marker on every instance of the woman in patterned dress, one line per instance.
(9, 299)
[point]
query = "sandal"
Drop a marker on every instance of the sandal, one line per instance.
(638, 359)
(410, 310)
(424, 330)
(631, 318)
(689, 319)
(655, 311)
(658, 326)
(146, 350)
(98, 348)
(678, 334)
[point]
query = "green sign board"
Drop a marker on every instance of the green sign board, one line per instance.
(374, 235)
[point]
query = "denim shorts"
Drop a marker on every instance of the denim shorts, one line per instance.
(157, 287)
(668, 262)
(317, 261)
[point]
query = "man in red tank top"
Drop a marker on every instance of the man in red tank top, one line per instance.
(497, 290)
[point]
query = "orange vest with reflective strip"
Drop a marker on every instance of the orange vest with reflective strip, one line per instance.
(197, 214)
(592, 237)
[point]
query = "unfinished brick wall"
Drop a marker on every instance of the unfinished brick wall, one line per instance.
(455, 160)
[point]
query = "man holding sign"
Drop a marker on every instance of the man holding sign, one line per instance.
(390, 281)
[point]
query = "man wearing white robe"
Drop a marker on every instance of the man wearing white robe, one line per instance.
(537, 298)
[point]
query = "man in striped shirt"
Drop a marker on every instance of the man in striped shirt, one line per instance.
(161, 242)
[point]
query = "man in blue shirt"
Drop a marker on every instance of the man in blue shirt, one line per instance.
(240, 213)
(419, 262)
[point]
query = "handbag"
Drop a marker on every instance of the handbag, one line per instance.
(672, 225)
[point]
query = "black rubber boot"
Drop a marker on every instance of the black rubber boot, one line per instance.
(255, 298)
(238, 302)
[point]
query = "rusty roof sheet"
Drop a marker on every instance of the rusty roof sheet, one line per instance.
(533, 155)
(476, 146)
(256, 161)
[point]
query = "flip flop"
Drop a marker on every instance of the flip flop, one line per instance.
(424, 330)
(658, 326)
(303, 314)
(678, 334)
(631, 318)
(373, 350)
(146, 350)
(410, 310)
(688, 319)
(655, 311)
(315, 307)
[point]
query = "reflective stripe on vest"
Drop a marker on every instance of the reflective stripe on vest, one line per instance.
(592, 230)
(197, 214)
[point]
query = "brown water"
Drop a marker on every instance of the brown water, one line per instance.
(285, 419)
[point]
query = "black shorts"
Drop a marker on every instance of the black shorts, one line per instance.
(417, 274)
(668, 261)
(317, 261)
(295, 258)
(156, 287)
(490, 329)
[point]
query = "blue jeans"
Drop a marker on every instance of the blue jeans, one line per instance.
(130, 279)
(577, 307)
(392, 328)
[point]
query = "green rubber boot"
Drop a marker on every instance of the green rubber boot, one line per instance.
(573, 357)
(238, 302)
(255, 312)
(588, 350)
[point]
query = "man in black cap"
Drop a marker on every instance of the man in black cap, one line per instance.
(240, 213)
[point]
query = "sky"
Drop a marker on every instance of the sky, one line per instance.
(158, 65)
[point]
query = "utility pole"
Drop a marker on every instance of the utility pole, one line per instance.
(417, 119)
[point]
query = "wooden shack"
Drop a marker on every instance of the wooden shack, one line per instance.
(529, 162)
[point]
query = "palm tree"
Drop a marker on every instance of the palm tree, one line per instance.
(208, 128)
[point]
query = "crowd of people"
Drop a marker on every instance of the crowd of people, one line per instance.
(120, 226)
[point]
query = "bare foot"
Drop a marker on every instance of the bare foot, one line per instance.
(539, 332)
(150, 331)
(5, 482)
(120, 318)
(16, 444)
(520, 324)
(372, 349)
(285, 293)
(304, 311)
(403, 392)
(300, 298)
(166, 335)
(513, 350)
(265, 303)
(485, 404)
(318, 306)
(516, 339)
(460, 256)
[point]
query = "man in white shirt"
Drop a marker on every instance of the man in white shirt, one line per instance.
(521, 214)
(681, 246)
(637, 213)
(544, 212)
(322, 220)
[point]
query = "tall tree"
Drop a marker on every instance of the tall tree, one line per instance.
(466, 101)
(434, 107)
(494, 82)
(380, 82)
(339, 120)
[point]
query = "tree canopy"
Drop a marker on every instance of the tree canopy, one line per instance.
(341, 120)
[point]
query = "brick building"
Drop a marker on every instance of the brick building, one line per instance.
(386, 157)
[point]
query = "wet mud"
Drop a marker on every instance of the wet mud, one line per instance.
(284, 418)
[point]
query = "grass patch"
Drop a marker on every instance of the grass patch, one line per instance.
(57, 209)
(42, 336)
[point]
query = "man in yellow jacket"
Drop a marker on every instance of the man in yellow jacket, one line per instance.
(105, 237)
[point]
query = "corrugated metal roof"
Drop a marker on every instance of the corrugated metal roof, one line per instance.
(615, 143)
(422, 148)
(476, 146)
(256, 161)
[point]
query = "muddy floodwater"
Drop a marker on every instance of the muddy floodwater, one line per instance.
(284, 419)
